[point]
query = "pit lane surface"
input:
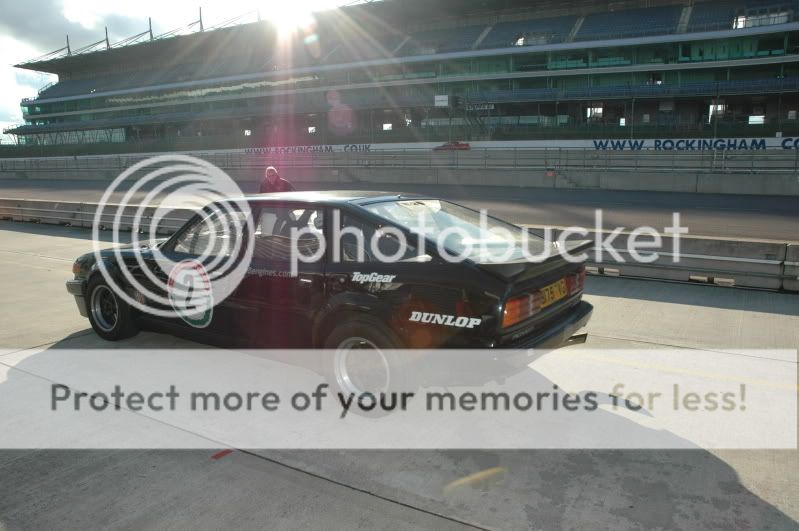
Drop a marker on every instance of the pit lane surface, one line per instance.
(396, 489)
(723, 216)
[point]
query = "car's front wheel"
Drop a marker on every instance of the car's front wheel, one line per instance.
(110, 316)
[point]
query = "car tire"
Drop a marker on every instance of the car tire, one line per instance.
(360, 358)
(111, 317)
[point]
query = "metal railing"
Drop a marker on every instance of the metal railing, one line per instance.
(47, 86)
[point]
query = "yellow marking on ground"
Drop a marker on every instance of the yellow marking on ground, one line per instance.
(475, 479)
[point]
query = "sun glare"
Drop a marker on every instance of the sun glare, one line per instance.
(294, 15)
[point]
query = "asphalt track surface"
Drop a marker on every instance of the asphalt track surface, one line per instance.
(722, 216)
(538, 489)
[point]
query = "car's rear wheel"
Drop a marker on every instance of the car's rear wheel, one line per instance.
(361, 362)
(360, 366)
(110, 316)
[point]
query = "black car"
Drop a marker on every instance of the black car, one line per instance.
(349, 297)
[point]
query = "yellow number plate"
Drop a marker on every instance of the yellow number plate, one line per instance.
(553, 293)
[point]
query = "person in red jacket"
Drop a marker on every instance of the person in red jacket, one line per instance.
(274, 183)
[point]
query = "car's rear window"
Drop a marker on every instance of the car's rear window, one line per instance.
(460, 230)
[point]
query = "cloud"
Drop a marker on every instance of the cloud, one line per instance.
(16, 84)
(41, 25)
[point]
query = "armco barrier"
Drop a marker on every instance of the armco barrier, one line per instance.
(726, 262)
(56, 212)
(714, 261)
(752, 264)
(76, 214)
(791, 270)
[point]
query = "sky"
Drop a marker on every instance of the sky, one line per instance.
(31, 28)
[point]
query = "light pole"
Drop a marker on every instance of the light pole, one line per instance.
(715, 114)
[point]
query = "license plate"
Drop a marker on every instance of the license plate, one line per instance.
(553, 293)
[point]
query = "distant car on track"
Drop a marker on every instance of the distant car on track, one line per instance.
(453, 146)
(420, 300)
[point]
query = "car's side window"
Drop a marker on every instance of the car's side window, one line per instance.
(371, 248)
(215, 234)
(278, 229)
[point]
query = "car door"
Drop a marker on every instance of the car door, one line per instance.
(284, 297)
(371, 267)
(220, 235)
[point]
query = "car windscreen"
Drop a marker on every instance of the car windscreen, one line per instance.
(461, 231)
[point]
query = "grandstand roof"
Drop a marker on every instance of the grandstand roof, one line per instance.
(159, 48)
(382, 16)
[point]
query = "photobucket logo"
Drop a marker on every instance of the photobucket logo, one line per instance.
(188, 281)
(482, 239)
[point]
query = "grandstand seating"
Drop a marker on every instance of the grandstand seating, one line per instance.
(310, 105)
(714, 15)
(551, 30)
(756, 86)
(720, 14)
(76, 87)
(510, 127)
(770, 5)
(640, 91)
(69, 87)
(364, 48)
(630, 23)
(177, 74)
(442, 40)
(344, 44)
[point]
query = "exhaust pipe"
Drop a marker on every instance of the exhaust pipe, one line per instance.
(577, 339)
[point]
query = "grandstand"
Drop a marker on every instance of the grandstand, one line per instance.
(652, 21)
(371, 73)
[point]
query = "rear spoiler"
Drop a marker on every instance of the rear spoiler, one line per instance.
(517, 270)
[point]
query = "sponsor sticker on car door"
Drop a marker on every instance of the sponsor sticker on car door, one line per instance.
(189, 291)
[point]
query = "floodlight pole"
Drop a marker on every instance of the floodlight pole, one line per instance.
(107, 42)
(69, 50)
(150, 23)
(715, 114)
(201, 19)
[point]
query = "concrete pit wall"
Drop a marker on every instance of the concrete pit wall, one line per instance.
(753, 173)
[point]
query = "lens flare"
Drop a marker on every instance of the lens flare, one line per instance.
(293, 17)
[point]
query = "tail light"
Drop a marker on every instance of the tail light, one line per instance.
(520, 308)
(576, 282)
(75, 268)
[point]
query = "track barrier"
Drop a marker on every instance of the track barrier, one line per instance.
(726, 262)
